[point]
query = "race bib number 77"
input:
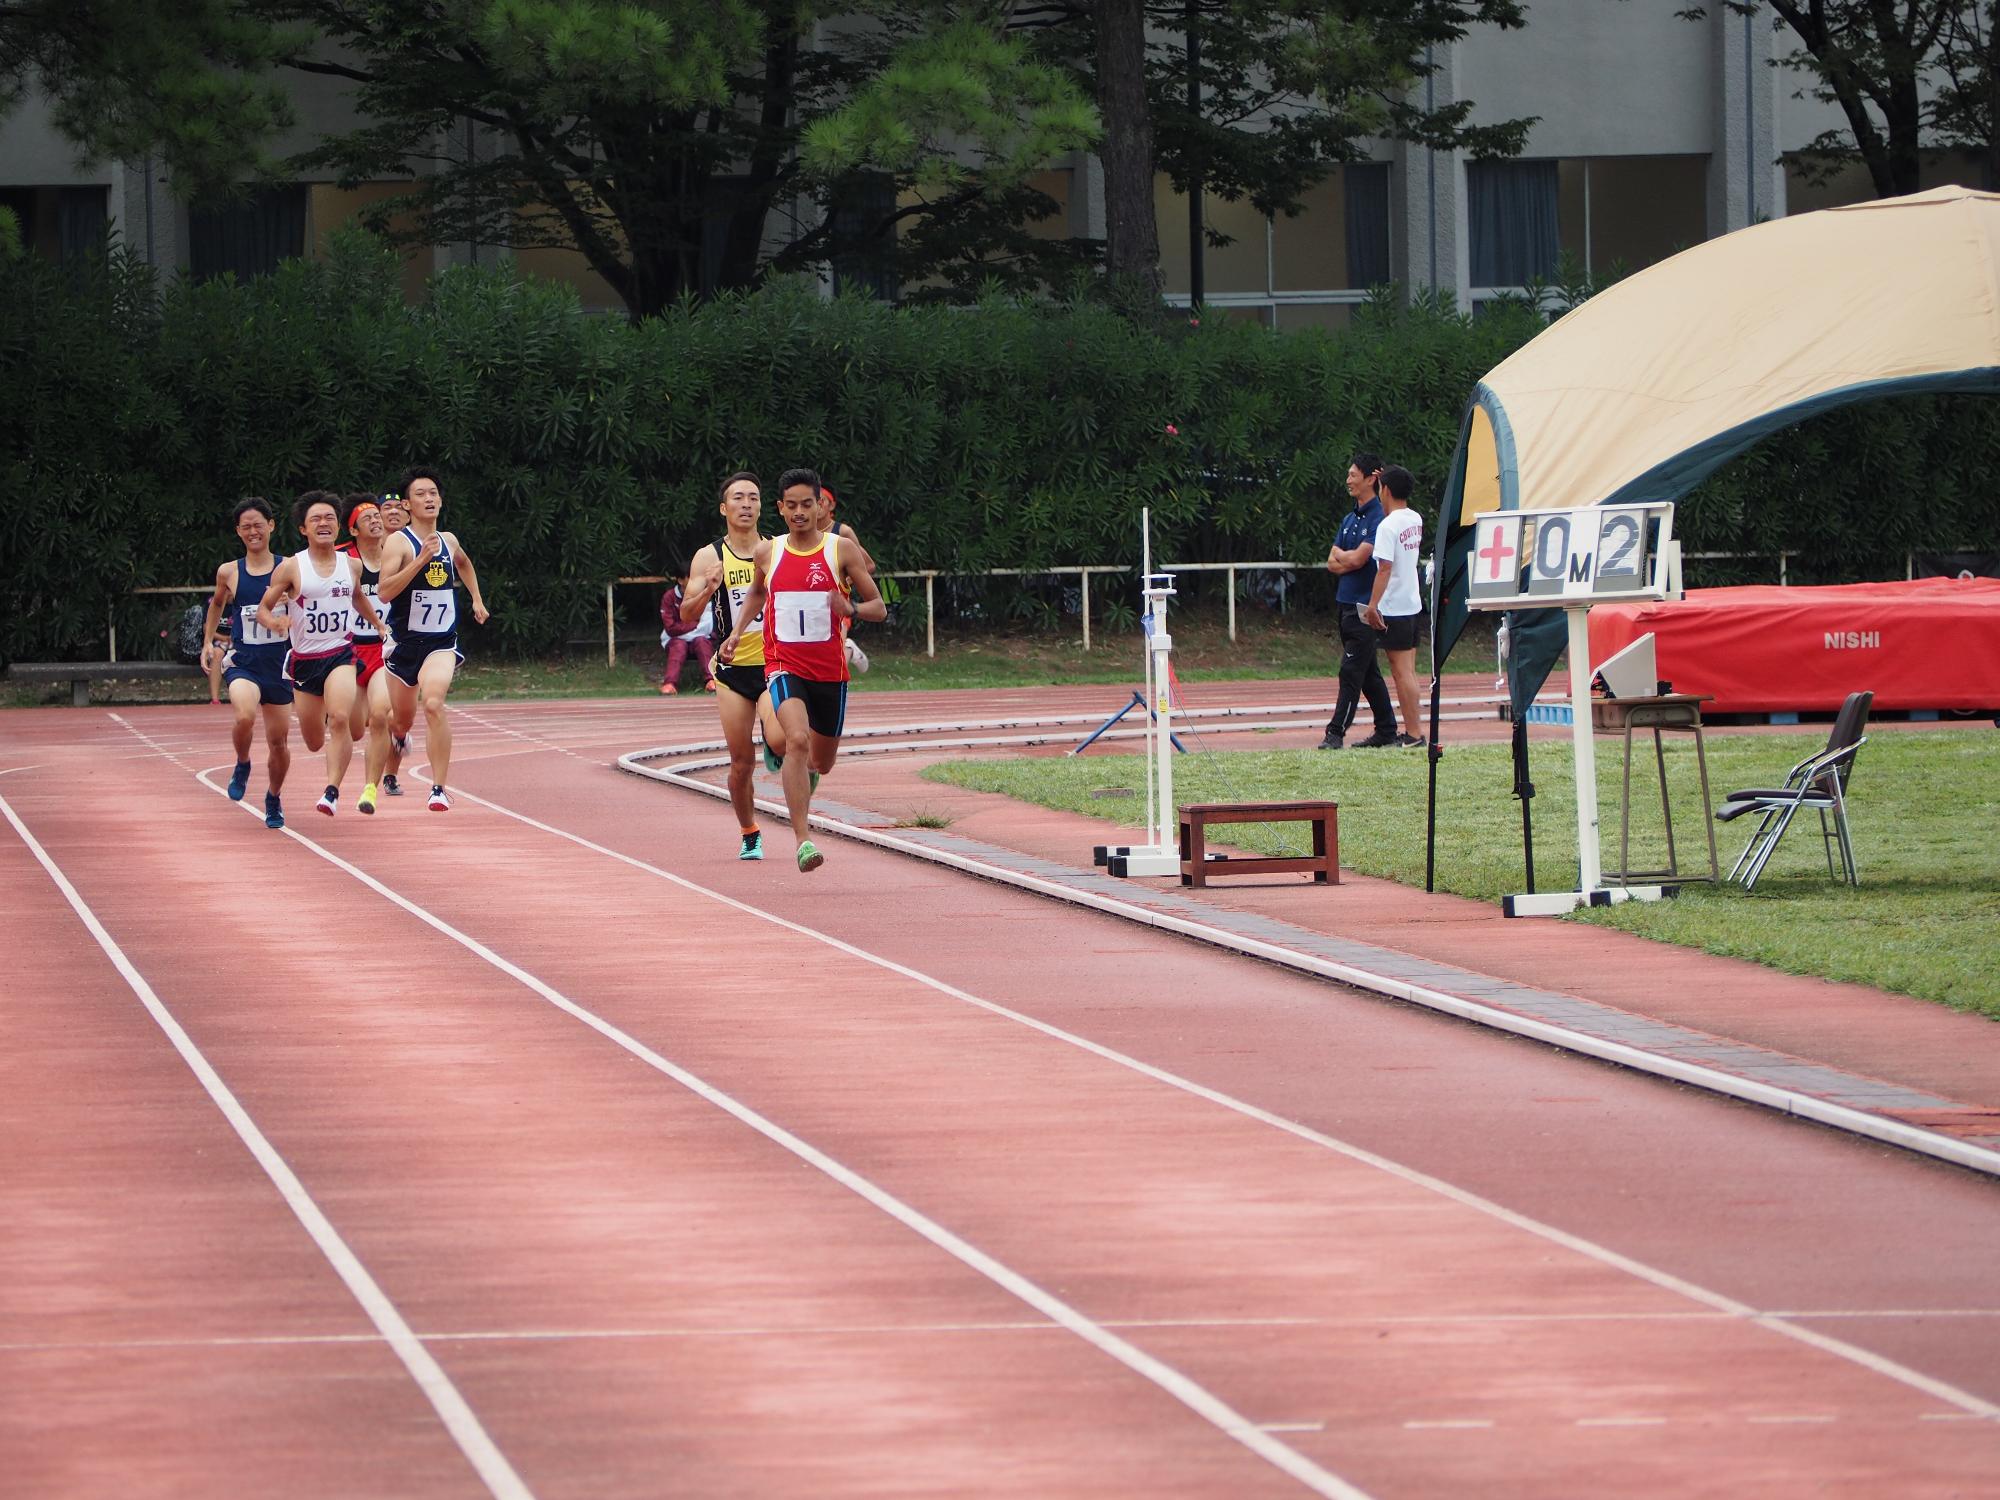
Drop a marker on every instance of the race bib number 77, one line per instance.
(432, 611)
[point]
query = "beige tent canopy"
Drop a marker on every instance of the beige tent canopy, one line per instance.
(1650, 386)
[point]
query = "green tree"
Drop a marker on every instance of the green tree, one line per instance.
(1906, 75)
(187, 79)
(1966, 109)
(1284, 89)
(659, 137)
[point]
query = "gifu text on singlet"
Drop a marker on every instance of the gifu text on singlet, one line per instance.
(738, 574)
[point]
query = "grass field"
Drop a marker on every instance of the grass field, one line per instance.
(1925, 920)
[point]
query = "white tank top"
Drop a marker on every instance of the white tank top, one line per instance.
(323, 614)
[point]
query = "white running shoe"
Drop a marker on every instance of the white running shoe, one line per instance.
(327, 800)
(440, 800)
(856, 657)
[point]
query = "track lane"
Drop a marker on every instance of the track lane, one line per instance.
(1146, 1234)
(992, 1185)
(552, 1217)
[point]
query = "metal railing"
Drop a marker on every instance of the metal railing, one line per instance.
(1082, 572)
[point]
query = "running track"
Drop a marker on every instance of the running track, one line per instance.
(574, 1158)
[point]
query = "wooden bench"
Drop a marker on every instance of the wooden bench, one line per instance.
(1323, 864)
(81, 674)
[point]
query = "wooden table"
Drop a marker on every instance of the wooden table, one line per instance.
(1323, 864)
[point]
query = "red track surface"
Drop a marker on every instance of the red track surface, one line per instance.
(1410, 1257)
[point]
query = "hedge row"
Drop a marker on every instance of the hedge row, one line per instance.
(577, 448)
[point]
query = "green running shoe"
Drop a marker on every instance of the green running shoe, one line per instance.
(809, 857)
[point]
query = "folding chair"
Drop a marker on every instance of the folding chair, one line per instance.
(1818, 782)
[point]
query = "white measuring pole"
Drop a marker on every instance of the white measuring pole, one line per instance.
(1146, 651)
(1590, 862)
(1168, 831)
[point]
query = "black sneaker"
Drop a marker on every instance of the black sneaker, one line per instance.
(1408, 742)
(1377, 742)
(389, 787)
(1331, 741)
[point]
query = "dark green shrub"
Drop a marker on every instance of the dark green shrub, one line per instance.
(578, 449)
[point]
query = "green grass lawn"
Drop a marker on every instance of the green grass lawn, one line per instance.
(1925, 920)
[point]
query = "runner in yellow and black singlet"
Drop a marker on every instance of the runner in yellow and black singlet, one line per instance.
(720, 578)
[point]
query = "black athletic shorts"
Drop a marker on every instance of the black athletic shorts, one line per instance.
(744, 682)
(412, 651)
(826, 702)
(309, 674)
(1399, 632)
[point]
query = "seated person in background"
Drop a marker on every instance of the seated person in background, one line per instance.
(682, 636)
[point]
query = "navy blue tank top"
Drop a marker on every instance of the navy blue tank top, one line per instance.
(254, 645)
(429, 606)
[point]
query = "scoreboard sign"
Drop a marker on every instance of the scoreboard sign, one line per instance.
(1556, 558)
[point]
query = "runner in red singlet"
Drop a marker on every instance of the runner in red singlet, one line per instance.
(806, 584)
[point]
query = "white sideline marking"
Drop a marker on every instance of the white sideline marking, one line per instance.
(1189, 1393)
(452, 1409)
(1775, 1323)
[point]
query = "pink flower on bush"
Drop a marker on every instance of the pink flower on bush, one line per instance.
(1173, 431)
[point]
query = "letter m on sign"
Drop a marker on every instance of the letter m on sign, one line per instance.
(1579, 566)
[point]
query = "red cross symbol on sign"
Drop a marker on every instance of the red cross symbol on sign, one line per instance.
(1496, 551)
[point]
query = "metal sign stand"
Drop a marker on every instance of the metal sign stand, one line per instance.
(1574, 559)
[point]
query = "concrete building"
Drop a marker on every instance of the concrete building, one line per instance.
(1652, 133)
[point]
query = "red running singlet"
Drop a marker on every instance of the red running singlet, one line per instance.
(801, 631)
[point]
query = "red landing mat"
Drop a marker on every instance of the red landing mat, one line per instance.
(1931, 643)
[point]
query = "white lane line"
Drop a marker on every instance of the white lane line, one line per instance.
(148, 741)
(12, 769)
(1182, 1388)
(452, 1408)
(1772, 1322)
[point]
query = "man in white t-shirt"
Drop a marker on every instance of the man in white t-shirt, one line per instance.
(1399, 596)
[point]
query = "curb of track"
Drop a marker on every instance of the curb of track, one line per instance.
(698, 756)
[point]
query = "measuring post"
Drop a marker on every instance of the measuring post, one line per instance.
(1163, 855)
(1569, 560)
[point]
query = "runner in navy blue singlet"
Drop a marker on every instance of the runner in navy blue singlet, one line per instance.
(422, 571)
(256, 678)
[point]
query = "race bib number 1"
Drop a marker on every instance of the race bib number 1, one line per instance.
(801, 617)
(432, 611)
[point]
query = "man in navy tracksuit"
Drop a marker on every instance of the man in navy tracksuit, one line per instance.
(1352, 561)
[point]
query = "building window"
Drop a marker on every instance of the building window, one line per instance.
(1607, 214)
(249, 235)
(1516, 231)
(864, 231)
(61, 223)
(1309, 269)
